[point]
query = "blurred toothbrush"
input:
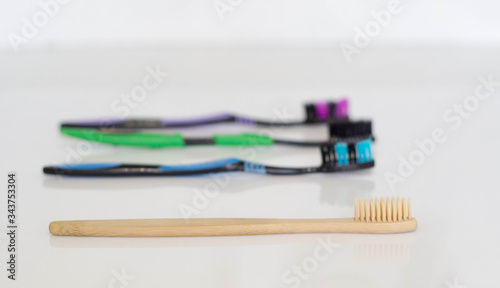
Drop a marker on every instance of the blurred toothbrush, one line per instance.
(337, 157)
(319, 112)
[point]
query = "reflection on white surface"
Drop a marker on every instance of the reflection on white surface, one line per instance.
(252, 240)
(371, 249)
(352, 251)
(333, 190)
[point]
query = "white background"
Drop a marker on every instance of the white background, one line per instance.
(109, 22)
(261, 59)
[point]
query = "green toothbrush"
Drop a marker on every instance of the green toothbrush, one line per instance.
(345, 131)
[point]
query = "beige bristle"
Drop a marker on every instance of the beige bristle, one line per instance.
(383, 208)
(400, 209)
(378, 209)
(405, 215)
(367, 210)
(395, 209)
(409, 208)
(389, 209)
(362, 210)
(356, 210)
(373, 214)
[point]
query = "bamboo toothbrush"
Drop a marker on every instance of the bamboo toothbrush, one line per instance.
(375, 215)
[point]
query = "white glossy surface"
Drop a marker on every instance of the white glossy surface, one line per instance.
(454, 193)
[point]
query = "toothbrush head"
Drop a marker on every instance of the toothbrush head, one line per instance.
(383, 215)
(347, 129)
(345, 156)
(319, 112)
(380, 210)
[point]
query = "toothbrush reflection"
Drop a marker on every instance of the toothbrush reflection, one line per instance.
(364, 248)
(339, 190)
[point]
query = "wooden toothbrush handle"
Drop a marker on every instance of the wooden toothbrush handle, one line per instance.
(221, 227)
